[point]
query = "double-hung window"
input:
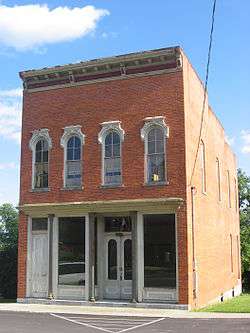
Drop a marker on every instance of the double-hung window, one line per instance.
(154, 134)
(112, 158)
(73, 162)
(40, 144)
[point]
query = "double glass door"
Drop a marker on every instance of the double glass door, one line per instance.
(118, 264)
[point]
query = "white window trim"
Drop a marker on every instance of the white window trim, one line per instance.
(69, 131)
(37, 135)
(107, 127)
(149, 123)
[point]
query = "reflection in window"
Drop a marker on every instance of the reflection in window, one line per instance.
(118, 223)
(112, 259)
(71, 254)
(39, 224)
(112, 159)
(159, 251)
(73, 163)
(41, 164)
(156, 155)
(128, 259)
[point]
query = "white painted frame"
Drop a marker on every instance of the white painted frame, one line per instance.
(70, 131)
(150, 123)
(40, 134)
(108, 127)
(141, 254)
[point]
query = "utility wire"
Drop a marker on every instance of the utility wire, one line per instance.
(205, 90)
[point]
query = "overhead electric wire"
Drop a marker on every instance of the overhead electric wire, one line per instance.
(205, 89)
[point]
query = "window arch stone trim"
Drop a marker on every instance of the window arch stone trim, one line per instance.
(70, 131)
(107, 126)
(151, 122)
(40, 134)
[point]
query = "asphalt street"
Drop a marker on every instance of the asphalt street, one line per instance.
(20, 322)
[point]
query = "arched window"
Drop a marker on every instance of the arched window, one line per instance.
(154, 134)
(111, 137)
(41, 164)
(73, 162)
(112, 158)
(72, 141)
(40, 144)
(155, 155)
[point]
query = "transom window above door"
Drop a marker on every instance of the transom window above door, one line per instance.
(117, 224)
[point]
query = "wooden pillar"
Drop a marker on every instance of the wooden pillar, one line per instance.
(90, 267)
(134, 298)
(50, 256)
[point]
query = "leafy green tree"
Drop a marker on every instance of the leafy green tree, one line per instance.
(8, 250)
(244, 204)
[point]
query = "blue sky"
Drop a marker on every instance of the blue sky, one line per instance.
(34, 35)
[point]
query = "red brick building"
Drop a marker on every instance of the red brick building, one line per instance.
(114, 203)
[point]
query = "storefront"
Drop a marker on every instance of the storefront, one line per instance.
(130, 256)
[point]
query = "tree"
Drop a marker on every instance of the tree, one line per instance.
(244, 204)
(8, 250)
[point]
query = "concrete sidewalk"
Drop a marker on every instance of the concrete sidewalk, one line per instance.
(92, 310)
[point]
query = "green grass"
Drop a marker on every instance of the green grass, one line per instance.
(5, 300)
(240, 304)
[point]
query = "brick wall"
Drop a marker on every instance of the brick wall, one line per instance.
(130, 101)
(214, 220)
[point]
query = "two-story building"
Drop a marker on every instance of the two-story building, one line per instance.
(124, 195)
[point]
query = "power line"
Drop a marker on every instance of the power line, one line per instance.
(205, 90)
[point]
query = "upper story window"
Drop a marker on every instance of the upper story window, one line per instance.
(154, 134)
(218, 178)
(111, 137)
(41, 164)
(203, 167)
(72, 141)
(40, 144)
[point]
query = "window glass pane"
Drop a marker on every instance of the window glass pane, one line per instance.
(156, 167)
(73, 173)
(71, 142)
(39, 145)
(77, 142)
(77, 154)
(45, 146)
(151, 147)
(151, 135)
(117, 224)
(159, 147)
(39, 224)
(159, 134)
(71, 254)
(70, 154)
(116, 150)
(41, 175)
(116, 138)
(108, 151)
(108, 139)
(128, 259)
(45, 156)
(112, 170)
(38, 156)
(159, 251)
(112, 260)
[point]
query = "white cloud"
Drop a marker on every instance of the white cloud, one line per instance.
(32, 26)
(10, 114)
(245, 135)
(7, 166)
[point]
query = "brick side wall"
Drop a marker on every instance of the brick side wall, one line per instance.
(214, 220)
(130, 101)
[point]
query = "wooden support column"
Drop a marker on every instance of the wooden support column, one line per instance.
(50, 256)
(91, 258)
(134, 298)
